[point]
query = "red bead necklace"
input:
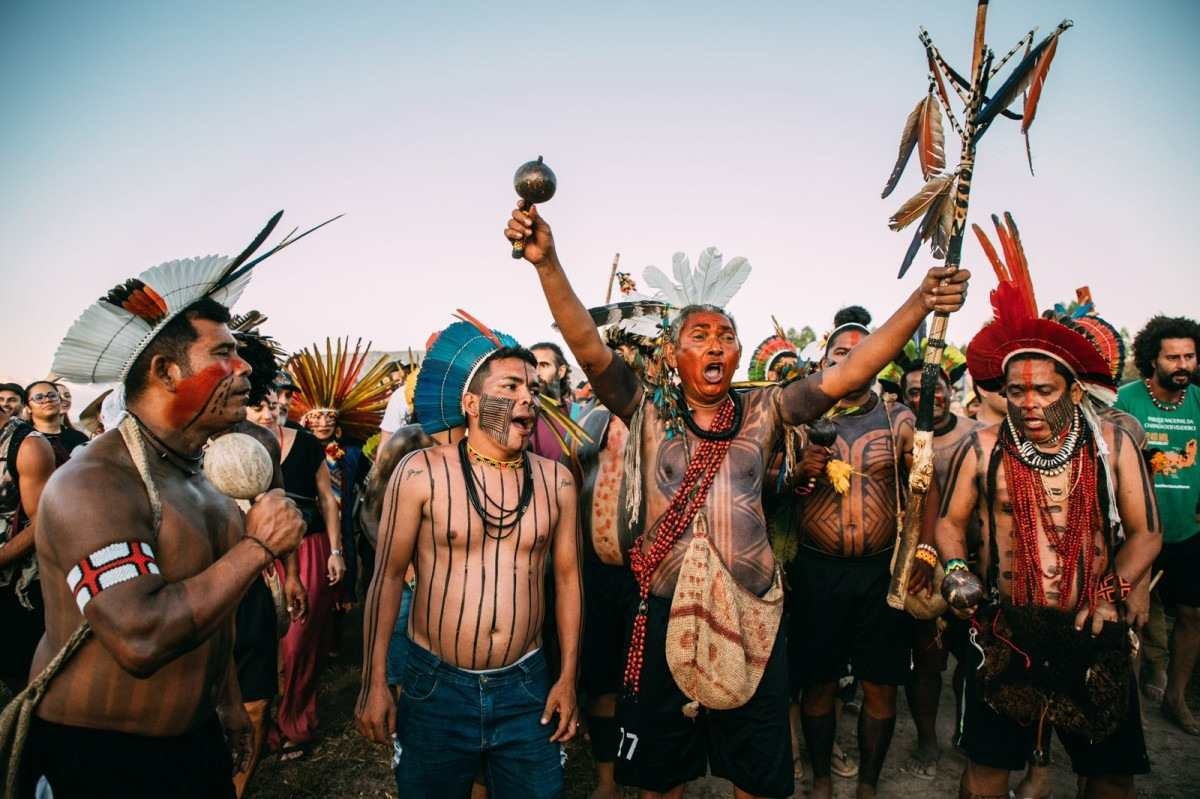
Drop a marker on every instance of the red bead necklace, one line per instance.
(1030, 507)
(688, 499)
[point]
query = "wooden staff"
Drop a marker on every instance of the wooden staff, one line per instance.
(612, 276)
(921, 475)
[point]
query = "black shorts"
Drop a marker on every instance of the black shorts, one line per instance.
(1180, 563)
(83, 762)
(660, 748)
(609, 590)
(991, 739)
(23, 630)
(840, 615)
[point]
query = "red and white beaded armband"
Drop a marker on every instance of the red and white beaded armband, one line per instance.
(109, 566)
(1113, 588)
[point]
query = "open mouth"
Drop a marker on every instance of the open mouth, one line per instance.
(714, 373)
(523, 425)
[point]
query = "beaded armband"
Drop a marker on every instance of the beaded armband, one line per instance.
(927, 554)
(109, 566)
(1113, 588)
(955, 564)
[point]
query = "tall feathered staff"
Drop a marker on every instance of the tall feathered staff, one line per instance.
(940, 209)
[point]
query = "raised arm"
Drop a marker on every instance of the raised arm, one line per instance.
(941, 290)
(568, 607)
(403, 506)
(572, 318)
(146, 622)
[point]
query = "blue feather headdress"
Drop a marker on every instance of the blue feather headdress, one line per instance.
(449, 365)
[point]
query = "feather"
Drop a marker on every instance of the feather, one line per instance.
(908, 140)
(1016, 83)
(931, 139)
(253, 246)
(1024, 127)
(289, 240)
(943, 224)
(1021, 269)
(937, 79)
(480, 326)
(929, 228)
(682, 268)
(918, 204)
(671, 293)
(990, 251)
(708, 272)
(1036, 82)
(731, 278)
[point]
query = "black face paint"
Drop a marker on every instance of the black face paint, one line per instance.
(1059, 414)
(495, 417)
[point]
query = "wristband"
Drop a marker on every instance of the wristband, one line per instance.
(337, 552)
(927, 555)
(1113, 588)
(955, 564)
(266, 548)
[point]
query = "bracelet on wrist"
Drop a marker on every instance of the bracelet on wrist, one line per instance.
(927, 555)
(337, 552)
(1113, 588)
(265, 548)
(955, 564)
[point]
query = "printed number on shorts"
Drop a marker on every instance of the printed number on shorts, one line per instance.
(633, 742)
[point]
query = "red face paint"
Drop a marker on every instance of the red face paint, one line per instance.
(707, 355)
(210, 386)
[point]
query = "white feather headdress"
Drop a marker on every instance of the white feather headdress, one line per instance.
(711, 283)
(107, 338)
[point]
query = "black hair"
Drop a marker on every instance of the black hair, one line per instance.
(172, 342)
(852, 315)
(1037, 356)
(1148, 342)
(29, 389)
(688, 311)
(14, 388)
(264, 368)
(476, 384)
(564, 385)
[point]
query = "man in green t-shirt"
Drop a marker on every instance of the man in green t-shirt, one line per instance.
(1168, 406)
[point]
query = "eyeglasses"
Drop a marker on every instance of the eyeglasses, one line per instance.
(44, 396)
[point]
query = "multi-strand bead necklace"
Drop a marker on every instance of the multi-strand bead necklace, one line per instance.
(688, 499)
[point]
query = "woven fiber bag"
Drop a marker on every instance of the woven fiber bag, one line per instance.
(720, 635)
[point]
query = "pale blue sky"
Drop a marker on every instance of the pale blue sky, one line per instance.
(135, 133)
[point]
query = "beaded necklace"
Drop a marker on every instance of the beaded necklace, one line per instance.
(479, 457)
(1163, 405)
(1049, 464)
(714, 434)
(688, 499)
(504, 520)
(1031, 509)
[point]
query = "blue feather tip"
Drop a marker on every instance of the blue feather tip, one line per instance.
(437, 400)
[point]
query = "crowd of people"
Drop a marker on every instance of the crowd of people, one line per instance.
(694, 572)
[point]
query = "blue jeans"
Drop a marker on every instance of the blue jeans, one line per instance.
(398, 644)
(451, 723)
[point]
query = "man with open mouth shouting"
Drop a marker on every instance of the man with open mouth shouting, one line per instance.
(699, 693)
(480, 520)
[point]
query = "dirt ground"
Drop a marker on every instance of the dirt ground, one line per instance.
(343, 764)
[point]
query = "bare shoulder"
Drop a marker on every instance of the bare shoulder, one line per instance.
(96, 494)
(552, 472)
(900, 413)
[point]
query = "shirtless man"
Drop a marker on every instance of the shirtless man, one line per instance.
(1018, 477)
(841, 576)
(479, 520)
(661, 748)
(143, 707)
(931, 649)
